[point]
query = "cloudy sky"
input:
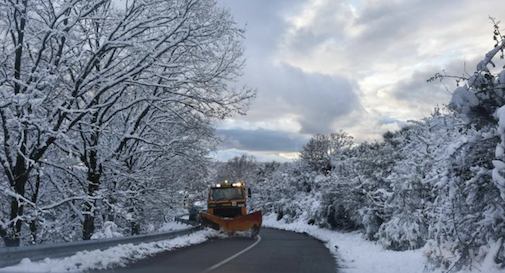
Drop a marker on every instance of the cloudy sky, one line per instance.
(360, 66)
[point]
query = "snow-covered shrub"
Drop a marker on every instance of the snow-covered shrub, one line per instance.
(108, 230)
(467, 212)
(340, 209)
(469, 208)
(403, 231)
(288, 210)
(430, 181)
(448, 256)
(439, 180)
(371, 221)
(440, 255)
(342, 218)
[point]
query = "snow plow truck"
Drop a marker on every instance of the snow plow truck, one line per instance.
(227, 209)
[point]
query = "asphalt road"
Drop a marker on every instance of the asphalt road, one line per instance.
(273, 251)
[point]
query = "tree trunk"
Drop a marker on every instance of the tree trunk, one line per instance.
(94, 174)
(135, 228)
(93, 186)
(12, 235)
(33, 223)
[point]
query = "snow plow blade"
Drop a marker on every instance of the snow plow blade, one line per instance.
(251, 221)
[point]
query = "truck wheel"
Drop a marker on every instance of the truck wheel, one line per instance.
(254, 231)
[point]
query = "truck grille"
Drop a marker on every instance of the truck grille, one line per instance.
(231, 212)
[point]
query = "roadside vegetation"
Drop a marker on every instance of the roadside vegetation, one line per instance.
(107, 112)
(437, 183)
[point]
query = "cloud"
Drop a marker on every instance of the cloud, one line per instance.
(335, 37)
(263, 22)
(319, 23)
(358, 65)
(416, 93)
(389, 48)
(390, 120)
(316, 101)
(310, 102)
(227, 154)
(261, 140)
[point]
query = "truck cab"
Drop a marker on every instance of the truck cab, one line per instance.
(227, 200)
(227, 209)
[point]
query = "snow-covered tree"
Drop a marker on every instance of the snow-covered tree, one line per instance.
(242, 168)
(320, 150)
(473, 193)
(118, 88)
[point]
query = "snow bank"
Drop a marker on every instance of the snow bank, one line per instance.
(109, 230)
(172, 226)
(354, 253)
(120, 255)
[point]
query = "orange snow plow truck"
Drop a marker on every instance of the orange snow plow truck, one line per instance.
(227, 209)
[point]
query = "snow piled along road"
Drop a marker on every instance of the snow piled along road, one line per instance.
(119, 255)
(355, 254)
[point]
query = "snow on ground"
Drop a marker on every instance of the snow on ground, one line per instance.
(109, 230)
(172, 226)
(119, 255)
(354, 253)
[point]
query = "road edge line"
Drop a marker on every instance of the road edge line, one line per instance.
(232, 257)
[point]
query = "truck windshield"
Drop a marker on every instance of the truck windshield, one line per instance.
(226, 194)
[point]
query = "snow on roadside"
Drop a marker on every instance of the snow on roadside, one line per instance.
(172, 226)
(354, 253)
(109, 230)
(119, 255)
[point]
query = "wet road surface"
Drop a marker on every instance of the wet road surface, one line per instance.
(273, 251)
